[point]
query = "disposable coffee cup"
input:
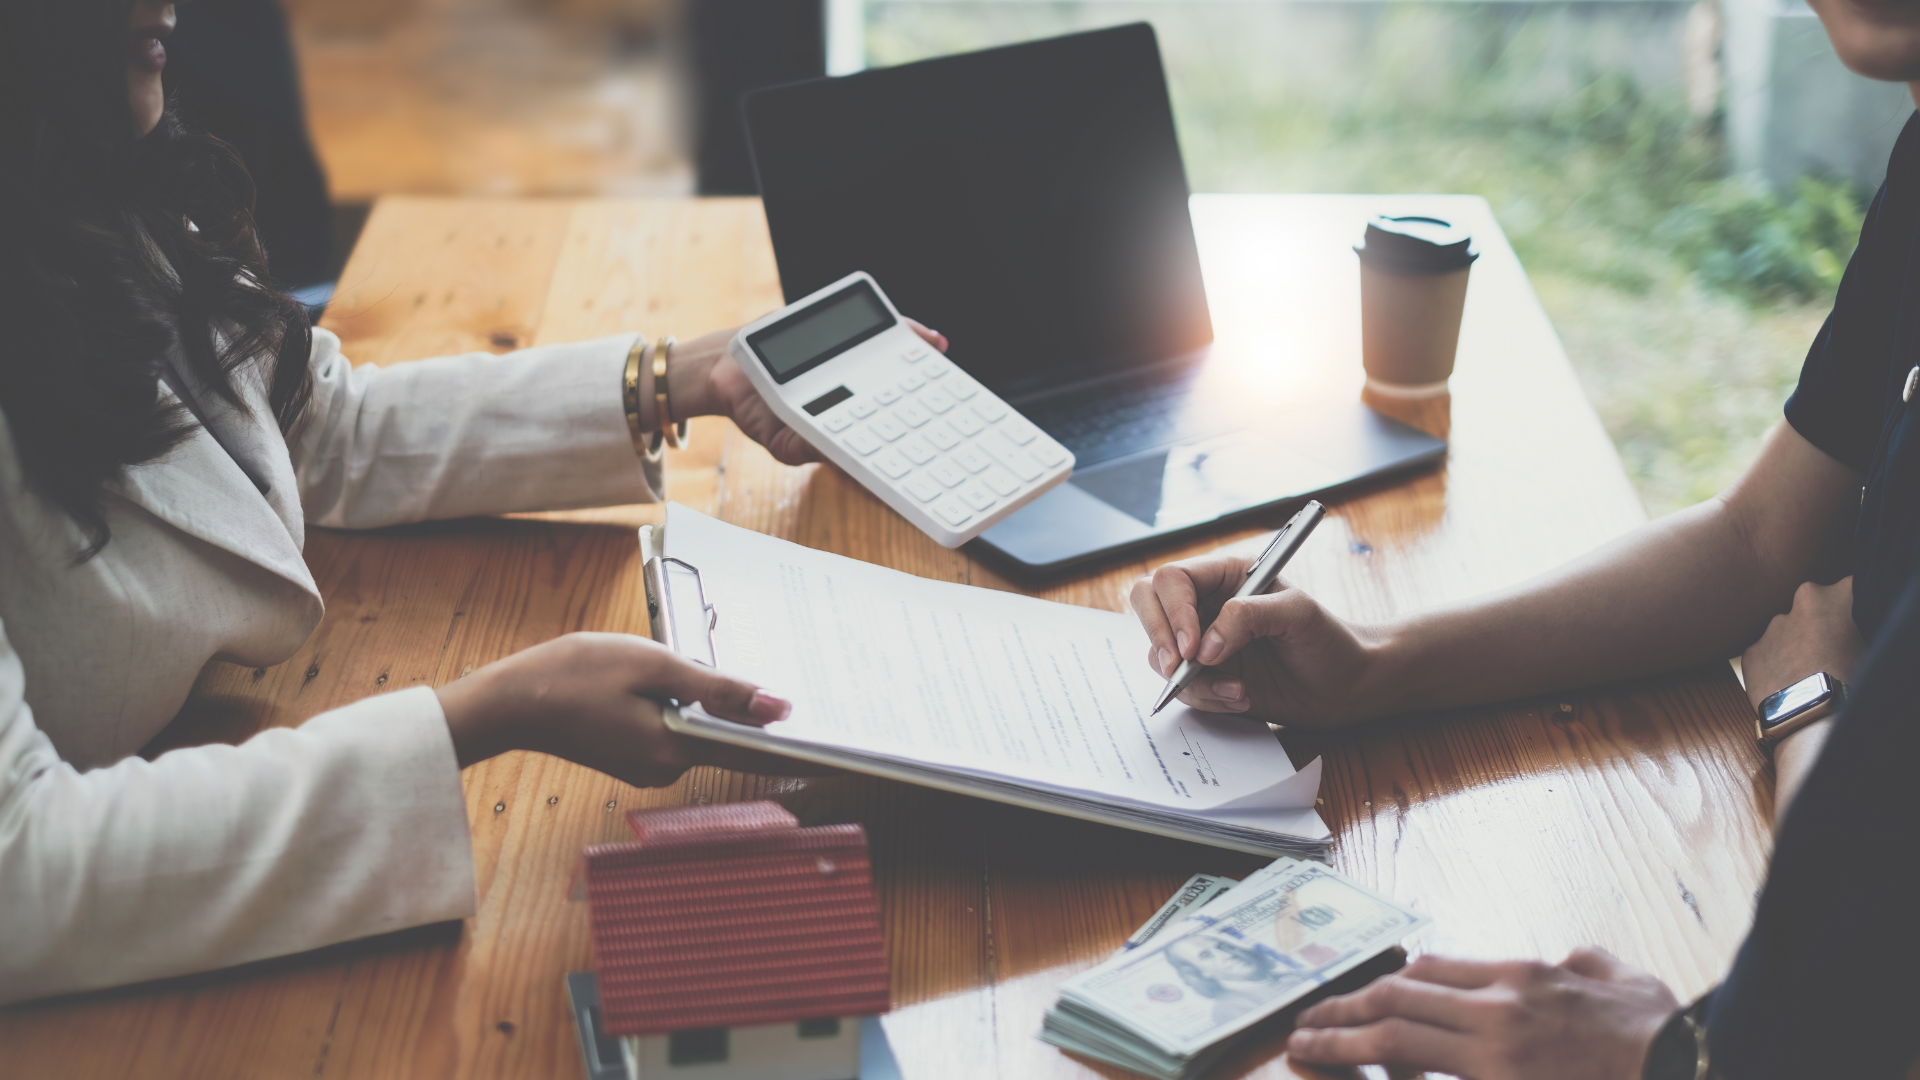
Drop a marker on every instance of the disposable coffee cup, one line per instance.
(1413, 287)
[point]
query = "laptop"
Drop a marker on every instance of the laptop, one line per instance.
(1030, 202)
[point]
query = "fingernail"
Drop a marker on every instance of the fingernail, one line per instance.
(1211, 647)
(1183, 639)
(1299, 1039)
(767, 708)
(1230, 689)
(1160, 661)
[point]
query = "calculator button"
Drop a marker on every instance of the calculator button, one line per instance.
(1019, 430)
(912, 414)
(915, 354)
(977, 497)
(1050, 453)
(922, 488)
(962, 388)
(864, 408)
(950, 509)
(1018, 461)
(937, 371)
(947, 474)
(912, 383)
(936, 400)
(942, 436)
(887, 396)
(891, 463)
(887, 428)
(972, 460)
(837, 423)
(862, 441)
(968, 423)
(990, 410)
(917, 450)
(1001, 480)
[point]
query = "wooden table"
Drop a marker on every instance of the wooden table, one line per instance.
(1636, 821)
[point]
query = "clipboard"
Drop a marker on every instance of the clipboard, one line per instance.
(682, 617)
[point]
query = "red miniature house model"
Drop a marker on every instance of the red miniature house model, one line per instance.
(731, 944)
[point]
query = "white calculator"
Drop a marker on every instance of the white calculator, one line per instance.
(843, 369)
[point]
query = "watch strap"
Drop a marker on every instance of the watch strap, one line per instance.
(1679, 1050)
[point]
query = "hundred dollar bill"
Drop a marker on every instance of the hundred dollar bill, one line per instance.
(1273, 939)
(1200, 890)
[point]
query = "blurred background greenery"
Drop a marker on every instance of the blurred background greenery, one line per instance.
(1686, 296)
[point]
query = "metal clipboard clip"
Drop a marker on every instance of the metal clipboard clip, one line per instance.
(682, 619)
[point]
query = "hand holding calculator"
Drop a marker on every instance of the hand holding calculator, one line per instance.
(845, 371)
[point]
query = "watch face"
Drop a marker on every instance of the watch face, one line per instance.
(1795, 699)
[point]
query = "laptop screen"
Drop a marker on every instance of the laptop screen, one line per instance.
(1028, 201)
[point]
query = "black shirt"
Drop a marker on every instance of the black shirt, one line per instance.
(1828, 981)
(1849, 399)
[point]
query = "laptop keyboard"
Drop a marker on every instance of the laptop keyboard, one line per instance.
(1123, 418)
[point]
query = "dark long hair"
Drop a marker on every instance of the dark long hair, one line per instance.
(112, 252)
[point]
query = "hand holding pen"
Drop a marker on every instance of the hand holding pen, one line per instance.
(1277, 655)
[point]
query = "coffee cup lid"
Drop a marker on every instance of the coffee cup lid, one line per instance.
(1416, 245)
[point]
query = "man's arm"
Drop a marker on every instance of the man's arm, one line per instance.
(1817, 635)
(1695, 586)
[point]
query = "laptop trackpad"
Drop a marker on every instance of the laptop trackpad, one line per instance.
(1196, 482)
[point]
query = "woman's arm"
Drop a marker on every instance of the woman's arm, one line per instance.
(539, 429)
(349, 825)
(457, 436)
(1695, 586)
(352, 824)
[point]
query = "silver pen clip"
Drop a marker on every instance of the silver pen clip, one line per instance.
(1268, 550)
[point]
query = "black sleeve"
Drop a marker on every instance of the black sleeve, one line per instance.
(1837, 405)
(1828, 981)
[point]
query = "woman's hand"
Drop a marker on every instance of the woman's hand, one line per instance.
(1589, 1017)
(1279, 656)
(592, 699)
(707, 381)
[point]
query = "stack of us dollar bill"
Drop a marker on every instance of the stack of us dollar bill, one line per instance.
(1216, 960)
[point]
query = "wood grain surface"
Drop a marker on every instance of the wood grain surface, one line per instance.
(1628, 816)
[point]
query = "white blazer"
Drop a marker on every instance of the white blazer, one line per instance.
(114, 869)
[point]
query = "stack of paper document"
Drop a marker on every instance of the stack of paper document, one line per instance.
(1173, 1004)
(978, 691)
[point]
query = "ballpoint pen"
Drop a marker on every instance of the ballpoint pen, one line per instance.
(1260, 578)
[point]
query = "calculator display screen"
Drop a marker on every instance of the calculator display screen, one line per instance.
(806, 339)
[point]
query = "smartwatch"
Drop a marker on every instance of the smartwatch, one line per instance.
(1816, 696)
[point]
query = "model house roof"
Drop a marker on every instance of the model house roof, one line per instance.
(655, 826)
(734, 915)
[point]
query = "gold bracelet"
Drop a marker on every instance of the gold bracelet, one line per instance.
(676, 434)
(645, 446)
